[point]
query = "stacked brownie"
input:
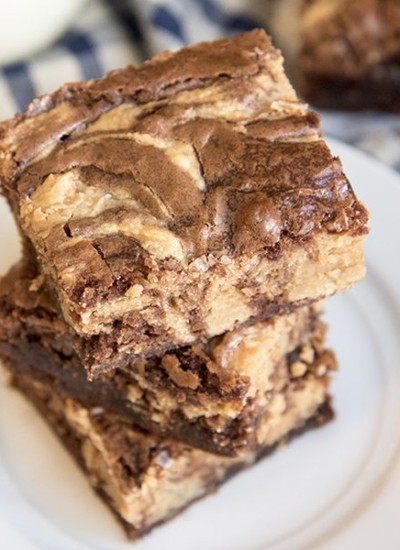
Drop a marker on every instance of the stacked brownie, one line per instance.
(181, 223)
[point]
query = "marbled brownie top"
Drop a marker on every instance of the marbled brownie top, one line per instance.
(193, 159)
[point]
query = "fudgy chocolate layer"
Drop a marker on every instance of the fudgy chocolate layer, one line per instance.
(171, 202)
(349, 55)
(210, 396)
(146, 480)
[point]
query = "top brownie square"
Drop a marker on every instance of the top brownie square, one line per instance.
(170, 202)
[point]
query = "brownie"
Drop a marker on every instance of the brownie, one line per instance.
(350, 54)
(174, 201)
(147, 480)
(210, 396)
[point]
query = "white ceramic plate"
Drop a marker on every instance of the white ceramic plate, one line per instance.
(338, 487)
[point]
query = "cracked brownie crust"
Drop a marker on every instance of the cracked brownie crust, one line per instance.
(211, 396)
(171, 202)
(146, 480)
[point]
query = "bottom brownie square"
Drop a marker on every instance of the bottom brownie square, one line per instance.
(147, 480)
(211, 396)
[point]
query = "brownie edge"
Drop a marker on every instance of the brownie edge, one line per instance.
(132, 471)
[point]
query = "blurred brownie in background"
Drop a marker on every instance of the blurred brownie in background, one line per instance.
(341, 54)
(349, 55)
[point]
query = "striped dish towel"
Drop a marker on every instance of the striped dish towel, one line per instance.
(112, 33)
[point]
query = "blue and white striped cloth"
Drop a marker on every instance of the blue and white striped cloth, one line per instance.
(112, 33)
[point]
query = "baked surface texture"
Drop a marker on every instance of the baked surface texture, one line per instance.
(146, 480)
(210, 396)
(350, 54)
(169, 203)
